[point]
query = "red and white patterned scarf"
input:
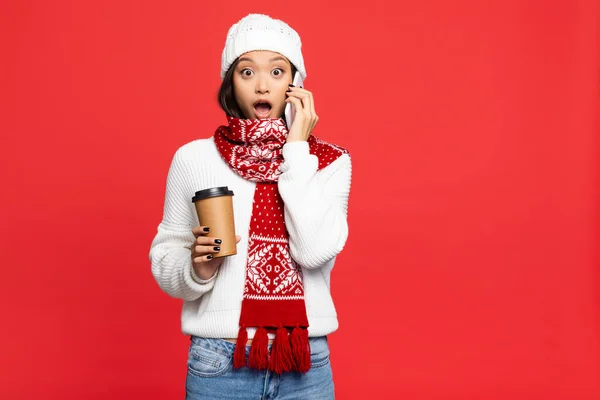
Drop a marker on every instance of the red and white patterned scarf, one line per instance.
(273, 299)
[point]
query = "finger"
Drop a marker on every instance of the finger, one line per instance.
(298, 104)
(200, 230)
(204, 250)
(299, 89)
(198, 260)
(303, 95)
(313, 113)
(237, 238)
(208, 240)
(307, 101)
(312, 103)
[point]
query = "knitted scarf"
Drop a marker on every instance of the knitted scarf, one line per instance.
(273, 299)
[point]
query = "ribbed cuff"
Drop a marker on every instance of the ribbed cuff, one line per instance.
(297, 158)
(203, 281)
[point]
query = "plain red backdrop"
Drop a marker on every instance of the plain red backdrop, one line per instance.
(471, 271)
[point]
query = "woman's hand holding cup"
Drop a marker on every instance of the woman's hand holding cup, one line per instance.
(203, 249)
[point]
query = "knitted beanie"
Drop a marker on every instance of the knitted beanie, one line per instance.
(261, 32)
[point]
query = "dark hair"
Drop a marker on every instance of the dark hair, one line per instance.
(226, 96)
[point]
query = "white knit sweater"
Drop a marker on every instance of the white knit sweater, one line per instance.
(315, 209)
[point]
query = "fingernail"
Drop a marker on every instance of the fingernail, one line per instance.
(292, 85)
(209, 256)
(206, 229)
(289, 90)
(218, 241)
(216, 248)
(301, 87)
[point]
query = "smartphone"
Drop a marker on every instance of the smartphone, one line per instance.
(290, 109)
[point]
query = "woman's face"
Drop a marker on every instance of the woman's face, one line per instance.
(260, 81)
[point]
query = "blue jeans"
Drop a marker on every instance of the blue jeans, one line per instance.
(211, 375)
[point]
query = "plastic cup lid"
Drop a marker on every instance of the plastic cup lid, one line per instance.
(212, 192)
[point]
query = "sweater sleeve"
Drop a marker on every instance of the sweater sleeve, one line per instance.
(170, 252)
(316, 204)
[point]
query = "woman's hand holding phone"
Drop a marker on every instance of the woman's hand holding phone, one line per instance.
(304, 117)
(203, 249)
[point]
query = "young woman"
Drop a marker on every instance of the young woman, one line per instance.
(258, 320)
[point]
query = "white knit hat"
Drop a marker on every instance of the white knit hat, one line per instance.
(261, 32)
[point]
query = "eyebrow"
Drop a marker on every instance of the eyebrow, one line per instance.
(277, 58)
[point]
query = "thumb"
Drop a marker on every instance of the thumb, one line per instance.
(237, 238)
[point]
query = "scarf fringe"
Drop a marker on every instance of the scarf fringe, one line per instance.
(300, 349)
(259, 352)
(281, 353)
(290, 352)
(239, 355)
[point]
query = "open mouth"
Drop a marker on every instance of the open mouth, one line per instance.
(262, 108)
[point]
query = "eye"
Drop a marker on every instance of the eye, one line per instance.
(246, 72)
(277, 72)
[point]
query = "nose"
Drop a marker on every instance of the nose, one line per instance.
(262, 85)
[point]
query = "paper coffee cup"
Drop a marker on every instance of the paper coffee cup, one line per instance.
(214, 207)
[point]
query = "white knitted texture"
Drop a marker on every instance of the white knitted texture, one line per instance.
(261, 32)
(315, 211)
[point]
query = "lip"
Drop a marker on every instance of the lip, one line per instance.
(262, 101)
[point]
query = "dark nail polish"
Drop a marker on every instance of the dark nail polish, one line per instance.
(301, 87)
(206, 229)
(209, 256)
(216, 248)
(218, 241)
(289, 90)
(292, 85)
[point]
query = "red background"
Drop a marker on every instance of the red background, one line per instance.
(471, 271)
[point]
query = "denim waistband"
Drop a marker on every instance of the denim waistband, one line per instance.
(221, 345)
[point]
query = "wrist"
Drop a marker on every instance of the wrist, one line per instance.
(202, 276)
(292, 140)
